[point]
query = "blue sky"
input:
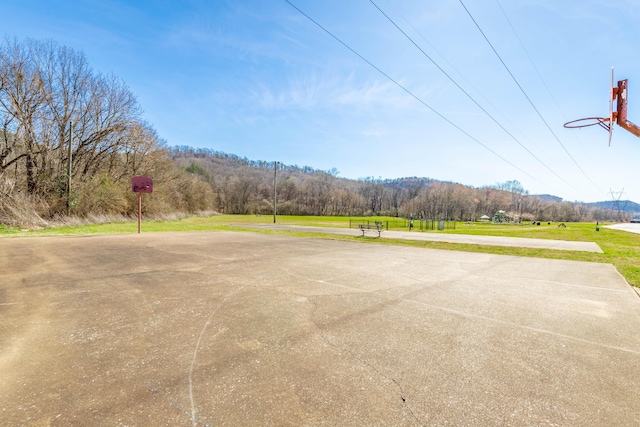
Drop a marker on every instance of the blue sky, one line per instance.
(260, 80)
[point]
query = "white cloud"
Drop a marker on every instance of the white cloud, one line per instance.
(332, 93)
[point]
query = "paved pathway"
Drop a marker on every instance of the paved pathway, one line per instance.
(450, 238)
(631, 228)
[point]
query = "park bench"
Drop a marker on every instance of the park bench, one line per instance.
(366, 227)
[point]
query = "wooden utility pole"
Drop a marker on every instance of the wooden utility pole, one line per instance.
(69, 170)
(275, 169)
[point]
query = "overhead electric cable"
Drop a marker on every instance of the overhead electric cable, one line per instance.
(528, 56)
(461, 75)
(453, 67)
(527, 96)
(533, 64)
(469, 96)
(411, 93)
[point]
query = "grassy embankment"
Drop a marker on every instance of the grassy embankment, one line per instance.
(622, 249)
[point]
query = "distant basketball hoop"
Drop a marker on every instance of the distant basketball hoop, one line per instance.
(620, 95)
(141, 184)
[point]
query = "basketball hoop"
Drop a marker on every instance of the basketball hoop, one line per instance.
(619, 94)
(141, 184)
(603, 122)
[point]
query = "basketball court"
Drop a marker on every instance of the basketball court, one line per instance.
(230, 329)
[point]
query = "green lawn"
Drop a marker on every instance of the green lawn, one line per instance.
(622, 249)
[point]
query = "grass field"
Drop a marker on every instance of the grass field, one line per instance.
(622, 249)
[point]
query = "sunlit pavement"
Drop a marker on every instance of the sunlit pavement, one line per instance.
(225, 328)
(631, 228)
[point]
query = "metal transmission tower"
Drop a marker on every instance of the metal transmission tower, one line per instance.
(616, 203)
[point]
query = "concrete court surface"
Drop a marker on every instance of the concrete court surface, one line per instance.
(519, 242)
(244, 329)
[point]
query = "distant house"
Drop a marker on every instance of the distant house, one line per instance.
(485, 218)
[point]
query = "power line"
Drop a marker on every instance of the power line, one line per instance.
(527, 96)
(465, 80)
(411, 93)
(533, 64)
(453, 67)
(468, 95)
(528, 56)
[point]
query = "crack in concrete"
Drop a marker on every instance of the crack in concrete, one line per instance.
(363, 362)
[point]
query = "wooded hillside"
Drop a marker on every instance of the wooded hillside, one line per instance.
(246, 187)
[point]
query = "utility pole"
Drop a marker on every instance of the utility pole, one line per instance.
(69, 170)
(275, 169)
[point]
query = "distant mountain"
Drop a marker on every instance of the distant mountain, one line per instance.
(626, 206)
(548, 197)
(409, 182)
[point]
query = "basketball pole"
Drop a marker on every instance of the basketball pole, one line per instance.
(141, 184)
(621, 118)
(139, 209)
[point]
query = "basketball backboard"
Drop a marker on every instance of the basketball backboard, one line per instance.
(141, 184)
(619, 94)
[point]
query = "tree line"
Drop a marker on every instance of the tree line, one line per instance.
(72, 138)
(242, 186)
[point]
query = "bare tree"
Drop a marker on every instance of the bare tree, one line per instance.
(51, 99)
(22, 102)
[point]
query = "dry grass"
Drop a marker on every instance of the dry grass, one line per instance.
(18, 209)
(93, 219)
(27, 212)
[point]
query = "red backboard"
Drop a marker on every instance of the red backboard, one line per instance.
(141, 184)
